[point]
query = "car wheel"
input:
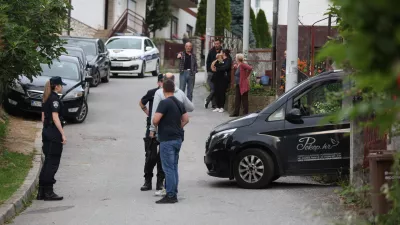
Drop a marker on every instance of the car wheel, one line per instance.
(141, 75)
(253, 168)
(106, 79)
(157, 71)
(82, 113)
(96, 79)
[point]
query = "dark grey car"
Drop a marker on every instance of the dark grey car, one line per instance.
(97, 56)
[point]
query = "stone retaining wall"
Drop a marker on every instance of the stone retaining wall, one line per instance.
(256, 103)
(81, 30)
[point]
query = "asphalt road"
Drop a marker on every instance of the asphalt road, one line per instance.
(101, 173)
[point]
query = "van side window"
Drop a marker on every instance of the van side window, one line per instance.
(315, 101)
(279, 114)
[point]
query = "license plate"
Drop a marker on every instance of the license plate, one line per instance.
(36, 103)
(117, 64)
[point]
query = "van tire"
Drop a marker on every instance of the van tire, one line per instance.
(253, 169)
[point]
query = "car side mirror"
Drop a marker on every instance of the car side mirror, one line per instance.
(89, 79)
(148, 48)
(294, 115)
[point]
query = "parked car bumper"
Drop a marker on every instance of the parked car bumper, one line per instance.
(134, 66)
(19, 101)
(218, 165)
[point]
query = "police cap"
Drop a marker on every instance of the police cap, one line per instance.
(57, 81)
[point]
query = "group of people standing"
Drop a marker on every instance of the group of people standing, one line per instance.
(166, 117)
(219, 66)
(168, 107)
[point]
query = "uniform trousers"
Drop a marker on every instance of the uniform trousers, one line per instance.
(152, 158)
(52, 150)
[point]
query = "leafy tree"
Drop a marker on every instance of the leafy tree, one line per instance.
(263, 30)
(223, 16)
(237, 21)
(370, 54)
(201, 18)
(158, 14)
(29, 35)
(254, 26)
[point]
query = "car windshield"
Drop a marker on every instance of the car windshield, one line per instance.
(75, 54)
(63, 69)
(89, 47)
(125, 43)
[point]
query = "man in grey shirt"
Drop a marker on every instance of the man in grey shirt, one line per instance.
(159, 95)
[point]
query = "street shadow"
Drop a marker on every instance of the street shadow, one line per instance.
(23, 115)
(274, 185)
(122, 76)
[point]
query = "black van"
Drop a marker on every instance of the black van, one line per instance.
(286, 138)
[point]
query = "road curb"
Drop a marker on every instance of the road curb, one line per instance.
(22, 196)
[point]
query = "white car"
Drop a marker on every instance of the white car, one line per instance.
(133, 55)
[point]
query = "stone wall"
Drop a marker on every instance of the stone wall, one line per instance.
(256, 103)
(197, 49)
(81, 30)
(259, 60)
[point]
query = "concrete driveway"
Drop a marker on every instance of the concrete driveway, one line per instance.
(101, 173)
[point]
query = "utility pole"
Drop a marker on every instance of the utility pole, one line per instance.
(246, 28)
(257, 6)
(292, 44)
(274, 35)
(69, 19)
(210, 28)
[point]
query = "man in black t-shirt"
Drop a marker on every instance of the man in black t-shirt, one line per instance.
(152, 156)
(170, 118)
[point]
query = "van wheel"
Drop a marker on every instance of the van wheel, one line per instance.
(253, 169)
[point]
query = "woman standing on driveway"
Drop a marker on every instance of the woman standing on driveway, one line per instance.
(53, 138)
(221, 67)
(242, 86)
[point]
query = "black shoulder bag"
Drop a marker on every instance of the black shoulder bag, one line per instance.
(180, 110)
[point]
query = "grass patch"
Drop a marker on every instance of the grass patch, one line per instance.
(13, 169)
(13, 166)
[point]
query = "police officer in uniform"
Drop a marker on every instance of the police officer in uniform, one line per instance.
(152, 155)
(53, 138)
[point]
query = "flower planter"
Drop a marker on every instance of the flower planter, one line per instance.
(256, 103)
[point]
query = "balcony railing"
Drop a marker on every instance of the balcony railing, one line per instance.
(130, 21)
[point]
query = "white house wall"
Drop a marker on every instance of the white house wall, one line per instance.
(184, 18)
(141, 8)
(310, 11)
(119, 8)
(90, 12)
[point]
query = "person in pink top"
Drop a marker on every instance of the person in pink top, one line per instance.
(242, 85)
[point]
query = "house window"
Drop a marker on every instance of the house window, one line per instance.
(174, 27)
(189, 30)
